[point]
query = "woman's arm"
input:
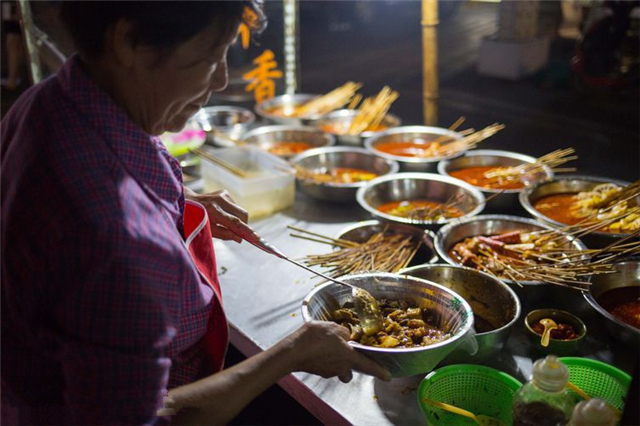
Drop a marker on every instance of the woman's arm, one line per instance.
(319, 348)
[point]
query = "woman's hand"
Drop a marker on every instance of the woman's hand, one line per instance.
(321, 348)
(227, 219)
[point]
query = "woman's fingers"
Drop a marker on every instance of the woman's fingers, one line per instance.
(228, 205)
(223, 233)
(346, 377)
(367, 366)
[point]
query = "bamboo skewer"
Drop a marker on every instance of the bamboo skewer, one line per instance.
(372, 111)
(233, 169)
(546, 162)
(331, 101)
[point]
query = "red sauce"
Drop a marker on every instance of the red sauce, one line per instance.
(416, 148)
(413, 209)
(623, 304)
(289, 148)
(557, 207)
(563, 332)
(475, 176)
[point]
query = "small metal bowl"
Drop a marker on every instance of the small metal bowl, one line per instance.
(413, 186)
(450, 309)
(230, 121)
(451, 234)
(569, 184)
(493, 303)
(362, 231)
(264, 109)
(627, 275)
(408, 133)
(556, 347)
(354, 158)
(508, 200)
(267, 136)
(342, 119)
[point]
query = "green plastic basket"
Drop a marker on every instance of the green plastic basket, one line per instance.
(479, 389)
(598, 380)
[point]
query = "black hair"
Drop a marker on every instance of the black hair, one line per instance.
(158, 24)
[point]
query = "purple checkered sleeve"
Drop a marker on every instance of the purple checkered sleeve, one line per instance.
(102, 308)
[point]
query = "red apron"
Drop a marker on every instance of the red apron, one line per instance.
(200, 245)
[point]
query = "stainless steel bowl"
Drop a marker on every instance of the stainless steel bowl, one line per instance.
(230, 121)
(342, 119)
(508, 200)
(408, 133)
(362, 231)
(451, 312)
(457, 231)
(493, 303)
(569, 184)
(285, 101)
(413, 186)
(627, 275)
(267, 136)
(326, 158)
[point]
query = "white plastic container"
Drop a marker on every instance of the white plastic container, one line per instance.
(269, 186)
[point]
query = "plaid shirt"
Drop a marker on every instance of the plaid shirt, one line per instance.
(102, 308)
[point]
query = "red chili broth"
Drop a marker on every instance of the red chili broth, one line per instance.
(475, 176)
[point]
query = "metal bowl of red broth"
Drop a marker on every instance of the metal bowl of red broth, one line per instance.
(403, 197)
(616, 297)
(492, 226)
(472, 167)
(337, 123)
(282, 109)
(287, 141)
(550, 202)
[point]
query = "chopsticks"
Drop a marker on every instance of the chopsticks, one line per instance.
(233, 169)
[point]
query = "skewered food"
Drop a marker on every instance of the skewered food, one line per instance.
(321, 105)
(384, 251)
(441, 146)
(425, 210)
(477, 176)
(336, 175)
(607, 208)
(405, 325)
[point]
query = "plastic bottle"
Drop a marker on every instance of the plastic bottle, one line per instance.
(594, 412)
(544, 400)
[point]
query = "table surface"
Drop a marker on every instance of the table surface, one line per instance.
(263, 296)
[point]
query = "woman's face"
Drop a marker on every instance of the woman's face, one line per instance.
(172, 87)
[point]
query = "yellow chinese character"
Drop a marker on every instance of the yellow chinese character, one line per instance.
(249, 21)
(262, 76)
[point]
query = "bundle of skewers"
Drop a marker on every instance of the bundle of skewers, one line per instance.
(331, 101)
(445, 146)
(523, 172)
(608, 208)
(372, 111)
(541, 256)
(384, 251)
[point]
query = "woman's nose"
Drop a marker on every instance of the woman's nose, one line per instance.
(220, 78)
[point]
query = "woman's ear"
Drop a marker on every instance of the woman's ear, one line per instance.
(120, 43)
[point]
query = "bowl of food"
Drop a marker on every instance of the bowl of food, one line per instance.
(335, 173)
(338, 123)
(416, 148)
(223, 124)
(418, 250)
(496, 308)
(616, 297)
(493, 172)
(423, 199)
(287, 141)
(425, 321)
(285, 109)
(569, 200)
(564, 340)
(496, 244)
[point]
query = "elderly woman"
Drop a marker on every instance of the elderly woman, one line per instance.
(104, 305)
